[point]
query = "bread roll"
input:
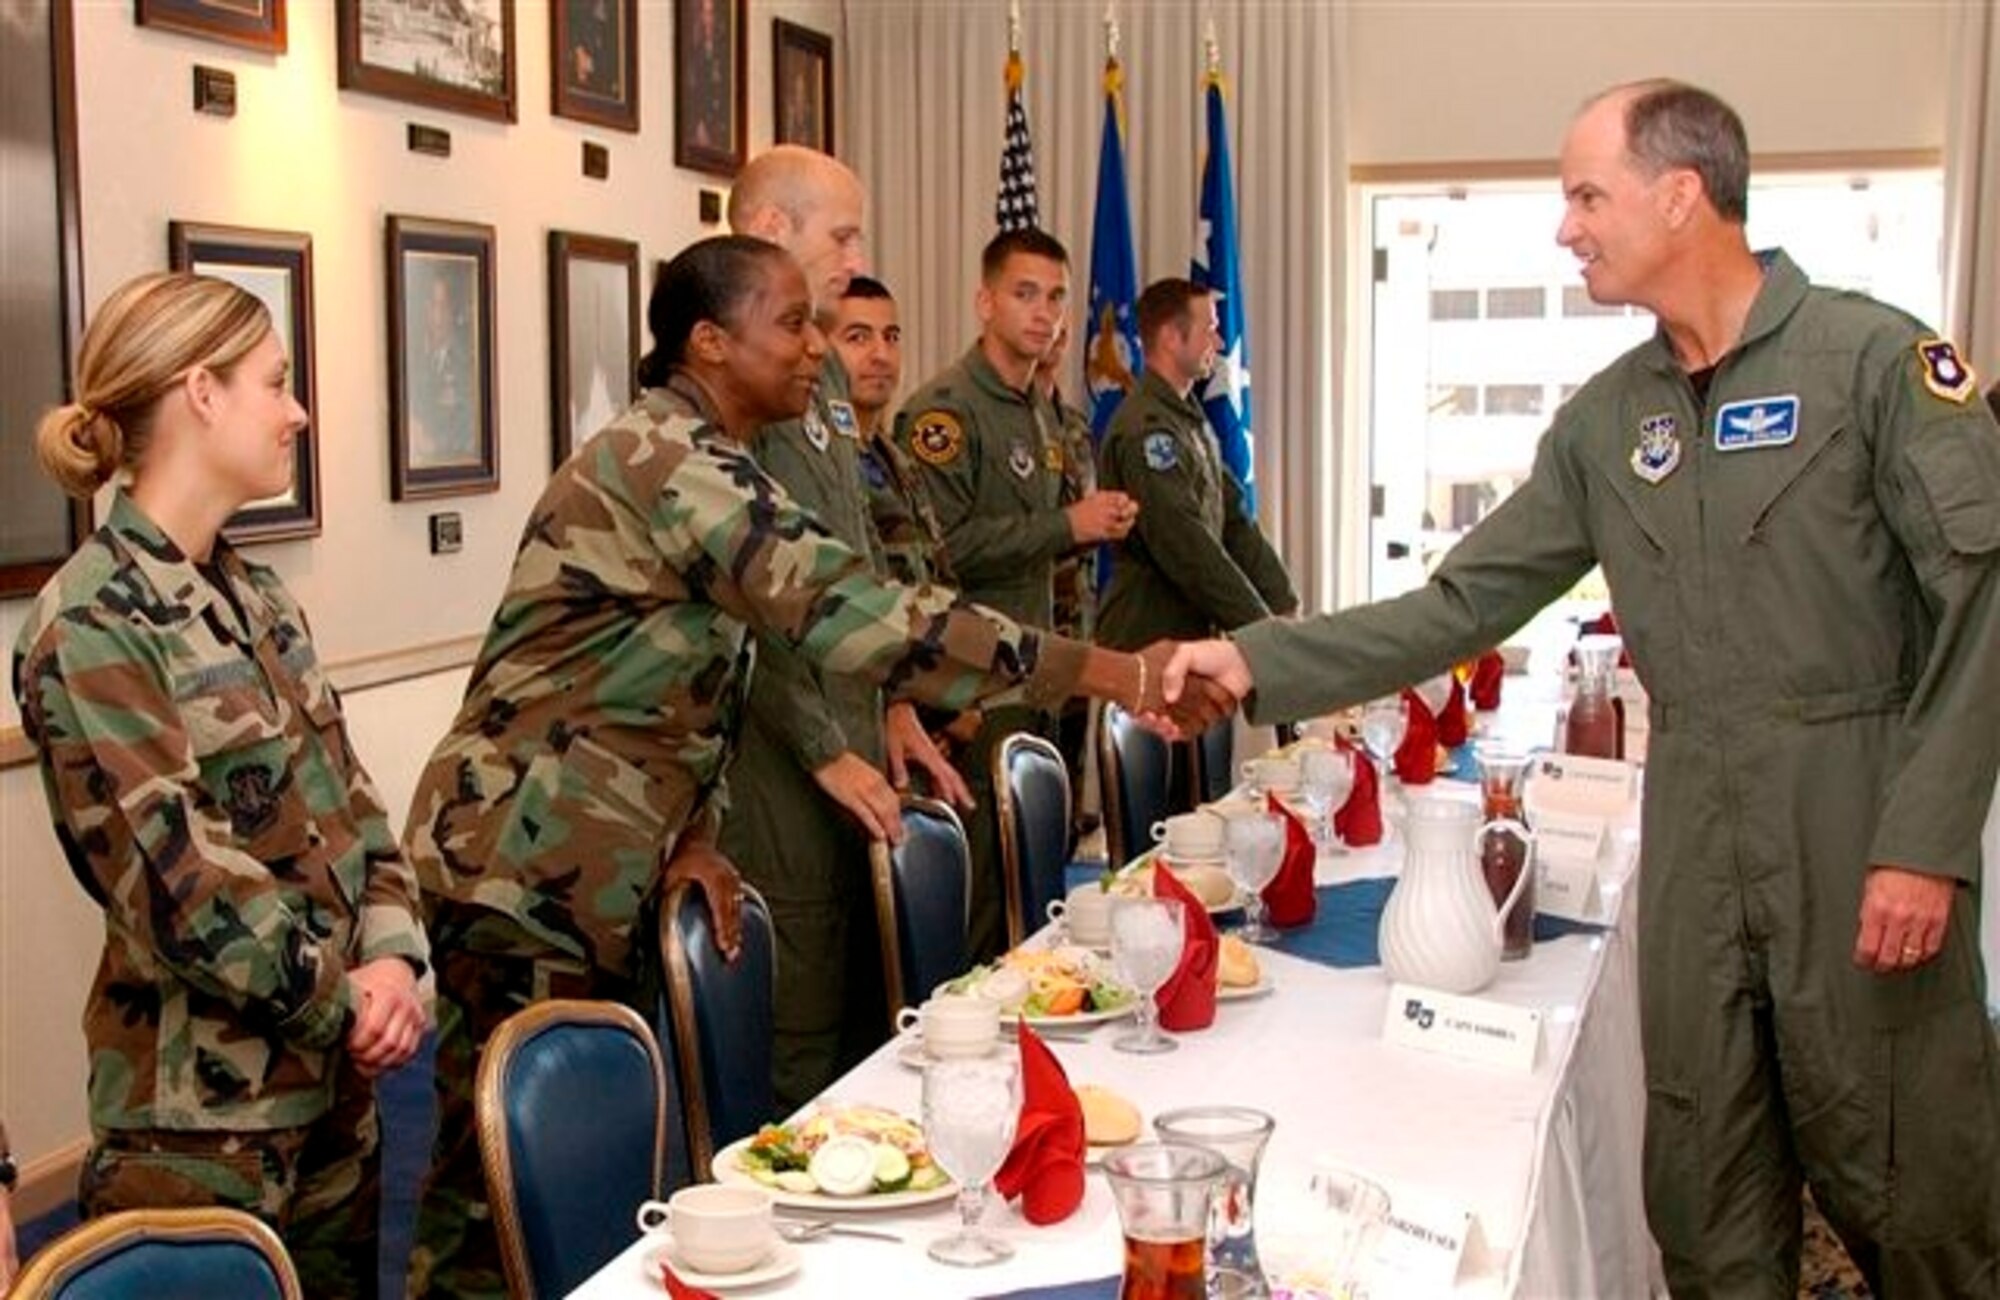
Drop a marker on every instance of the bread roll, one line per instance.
(1211, 885)
(1108, 1119)
(1238, 965)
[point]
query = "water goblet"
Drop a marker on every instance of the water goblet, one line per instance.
(1356, 1209)
(1147, 935)
(1384, 723)
(1326, 779)
(971, 1107)
(1254, 846)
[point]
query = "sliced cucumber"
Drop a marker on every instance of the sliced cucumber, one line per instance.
(794, 1180)
(892, 1168)
(925, 1178)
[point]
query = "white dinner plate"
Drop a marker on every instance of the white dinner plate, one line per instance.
(782, 1262)
(728, 1168)
(1238, 992)
(1076, 1018)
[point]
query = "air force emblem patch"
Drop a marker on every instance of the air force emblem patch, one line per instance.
(1757, 422)
(1944, 374)
(937, 438)
(815, 428)
(842, 415)
(1020, 460)
(1161, 452)
(1659, 451)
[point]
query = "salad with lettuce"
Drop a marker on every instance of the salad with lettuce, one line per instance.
(843, 1151)
(1046, 983)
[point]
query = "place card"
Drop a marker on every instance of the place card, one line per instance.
(1567, 836)
(1573, 783)
(1569, 890)
(1469, 1029)
(1424, 1241)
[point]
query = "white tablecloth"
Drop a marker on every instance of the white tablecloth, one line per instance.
(1548, 1161)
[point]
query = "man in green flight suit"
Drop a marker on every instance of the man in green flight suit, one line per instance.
(1197, 564)
(989, 450)
(1795, 496)
(806, 786)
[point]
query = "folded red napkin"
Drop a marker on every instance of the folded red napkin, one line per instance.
(1487, 671)
(679, 1290)
(1416, 758)
(1187, 999)
(1453, 725)
(1358, 822)
(1289, 899)
(1045, 1165)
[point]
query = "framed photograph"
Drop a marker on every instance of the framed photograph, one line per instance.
(443, 412)
(41, 314)
(594, 335)
(450, 54)
(274, 266)
(802, 85)
(594, 55)
(253, 24)
(710, 108)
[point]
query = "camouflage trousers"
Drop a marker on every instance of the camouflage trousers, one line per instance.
(319, 1187)
(487, 968)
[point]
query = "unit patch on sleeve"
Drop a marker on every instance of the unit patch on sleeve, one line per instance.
(1162, 452)
(842, 415)
(1944, 374)
(937, 438)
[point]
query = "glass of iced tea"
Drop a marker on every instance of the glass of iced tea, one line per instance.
(1163, 1190)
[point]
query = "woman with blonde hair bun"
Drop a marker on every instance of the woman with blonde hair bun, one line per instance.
(262, 945)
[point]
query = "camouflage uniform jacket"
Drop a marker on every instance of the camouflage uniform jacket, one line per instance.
(205, 793)
(606, 697)
(1197, 564)
(991, 460)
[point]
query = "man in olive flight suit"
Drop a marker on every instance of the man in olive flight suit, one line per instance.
(989, 450)
(1197, 564)
(1795, 496)
(806, 787)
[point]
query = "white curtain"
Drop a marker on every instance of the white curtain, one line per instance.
(925, 97)
(1972, 186)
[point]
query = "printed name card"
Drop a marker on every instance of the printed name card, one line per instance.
(1425, 1242)
(1569, 889)
(1567, 836)
(1470, 1029)
(1601, 787)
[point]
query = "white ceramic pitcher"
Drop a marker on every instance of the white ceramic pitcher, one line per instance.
(1440, 928)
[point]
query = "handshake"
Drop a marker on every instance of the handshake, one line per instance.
(1186, 687)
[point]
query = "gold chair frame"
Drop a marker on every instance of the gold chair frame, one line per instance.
(66, 1258)
(1010, 848)
(507, 1040)
(680, 995)
(880, 870)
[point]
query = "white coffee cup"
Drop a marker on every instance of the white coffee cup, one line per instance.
(1085, 913)
(1189, 837)
(1272, 773)
(717, 1228)
(954, 1025)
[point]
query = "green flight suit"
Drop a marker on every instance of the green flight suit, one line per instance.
(198, 769)
(803, 852)
(1196, 563)
(1806, 567)
(911, 539)
(599, 720)
(991, 460)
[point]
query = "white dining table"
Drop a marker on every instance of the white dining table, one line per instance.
(1547, 1161)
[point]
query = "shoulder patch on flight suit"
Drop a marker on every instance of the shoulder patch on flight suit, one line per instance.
(842, 415)
(1944, 374)
(937, 438)
(815, 428)
(1162, 452)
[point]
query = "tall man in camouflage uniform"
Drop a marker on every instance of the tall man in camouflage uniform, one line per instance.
(989, 450)
(807, 789)
(1795, 495)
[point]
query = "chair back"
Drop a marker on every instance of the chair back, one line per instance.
(721, 1014)
(572, 1114)
(1136, 767)
(1214, 753)
(923, 901)
(183, 1254)
(1031, 786)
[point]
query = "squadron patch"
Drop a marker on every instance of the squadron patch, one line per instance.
(1659, 451)
(1162, 452)
(815, 428)
(1020, 459)
(1052, 458)
(842, 415)
(937, 438)
(1944, 374)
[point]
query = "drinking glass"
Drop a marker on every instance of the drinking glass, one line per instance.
(971, 1107)
(1326, 778)
(1238, 1135)
(1147, 935)
(1254, 846)
(1355, 1209)
(1163, 1190)
(1384, 723)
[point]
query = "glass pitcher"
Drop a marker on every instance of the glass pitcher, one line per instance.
(1238, 1135)
(1163, 1191)
(1503, 855)
(1595, 724)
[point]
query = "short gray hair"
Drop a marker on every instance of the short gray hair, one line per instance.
(1672, 124)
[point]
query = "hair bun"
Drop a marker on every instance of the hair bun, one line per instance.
(80, 447)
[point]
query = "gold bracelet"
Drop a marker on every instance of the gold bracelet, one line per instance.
(1139, 704)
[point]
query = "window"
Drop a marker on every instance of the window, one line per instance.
(1516, 304)
(1455, 399)
(1454, 304)
(1513, 399)
(1577, 302)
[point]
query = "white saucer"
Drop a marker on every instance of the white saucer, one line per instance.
(782, 1262)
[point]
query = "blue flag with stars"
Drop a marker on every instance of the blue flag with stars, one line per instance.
(1111, 356)
(1225, 395)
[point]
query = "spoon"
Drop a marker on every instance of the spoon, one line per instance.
(814, 1229)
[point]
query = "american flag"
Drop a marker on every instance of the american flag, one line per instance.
(1015, 207)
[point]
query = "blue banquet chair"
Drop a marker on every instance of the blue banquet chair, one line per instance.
(923, 899)
(1137, 771)
(165, 1254)
(1031, 786)
(572, 1113)
(721, 1018)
